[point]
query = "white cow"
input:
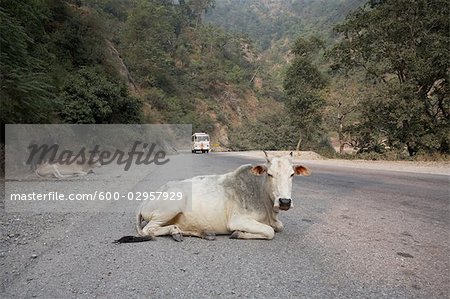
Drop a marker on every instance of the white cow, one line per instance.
(57, 170)
(244, 203)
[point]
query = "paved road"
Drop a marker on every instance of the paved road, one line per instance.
(354, 233)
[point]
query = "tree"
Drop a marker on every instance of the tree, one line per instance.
(24, 85)
(402, 47)
(90, 97)
(147, 40)
(302, 85)
(198, 7)
(343, 98)
(268, 131)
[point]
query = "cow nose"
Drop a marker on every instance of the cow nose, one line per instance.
(285, 203)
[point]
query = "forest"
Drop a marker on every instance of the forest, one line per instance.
(346, 78)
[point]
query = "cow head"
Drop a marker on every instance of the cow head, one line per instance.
(279, 172)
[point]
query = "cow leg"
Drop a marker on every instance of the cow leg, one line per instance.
(172, 230)
(193, 234)
(81, 173)
(58, 174)
(246, 228)
(157, 227)
(278, 226)
(157, 230)
(208, 235)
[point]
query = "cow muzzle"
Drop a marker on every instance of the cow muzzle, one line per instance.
(285, 203)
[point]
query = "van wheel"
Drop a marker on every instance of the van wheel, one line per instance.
(193, 151)
(207, 151)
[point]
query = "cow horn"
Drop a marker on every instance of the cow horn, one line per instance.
(267, 156)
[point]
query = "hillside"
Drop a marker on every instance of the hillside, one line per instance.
(275, 74)
(274, 25)
(269, 21)
(89, 62)
(371, 76)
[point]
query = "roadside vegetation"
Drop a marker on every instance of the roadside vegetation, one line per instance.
(376, 82)
(368, 79)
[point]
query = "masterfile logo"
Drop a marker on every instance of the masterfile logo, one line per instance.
(53, 153)
(91, 168)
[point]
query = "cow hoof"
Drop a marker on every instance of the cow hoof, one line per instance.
(235, 235)
(177, 237)
(209, 236)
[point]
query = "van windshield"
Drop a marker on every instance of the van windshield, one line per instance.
(202, 138)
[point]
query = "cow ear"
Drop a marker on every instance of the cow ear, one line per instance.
(258, 169)
(301, 170)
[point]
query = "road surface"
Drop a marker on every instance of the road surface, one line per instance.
(353, 233)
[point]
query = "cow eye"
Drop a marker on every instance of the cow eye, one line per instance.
(292, 174)
(271, 176)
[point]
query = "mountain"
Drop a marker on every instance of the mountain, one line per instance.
(268, 21)
(159, 61)
(274, 25)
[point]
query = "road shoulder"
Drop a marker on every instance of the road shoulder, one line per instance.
(311, 158)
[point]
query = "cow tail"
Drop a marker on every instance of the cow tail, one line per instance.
(133, 239)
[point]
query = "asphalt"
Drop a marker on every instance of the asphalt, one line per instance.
(353, 233)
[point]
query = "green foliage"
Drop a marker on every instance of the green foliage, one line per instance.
(90, 97)
(78, 39)
(177, 62)
(269, 21)
(269, 131)
(146, 40)
(344, 97)
(44, 45)
(74, 61)
(302, 84)
(276, 129)
(274, 26)
(196, 8)
(202, 123)
(25, 88)
(403, 47)
(307, 48)
(217, 58)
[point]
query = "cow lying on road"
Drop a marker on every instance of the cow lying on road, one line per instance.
(49, 170)
(245, 203)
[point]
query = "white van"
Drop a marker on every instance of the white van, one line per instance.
(200, 142)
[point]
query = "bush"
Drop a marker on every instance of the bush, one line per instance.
(90, 97)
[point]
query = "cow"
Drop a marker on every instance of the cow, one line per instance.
(58, 170)
(244, 203)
